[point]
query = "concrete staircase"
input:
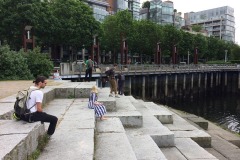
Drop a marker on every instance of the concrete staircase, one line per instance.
(134, 129)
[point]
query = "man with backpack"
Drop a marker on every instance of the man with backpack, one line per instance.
(34, 111)
(89, 68)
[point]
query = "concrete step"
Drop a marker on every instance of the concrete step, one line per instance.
(127, 113)
(75, 130)
(228, 150)
(162, 136)
(145, 148)
(109, 102)
(6, 110)
(112, 142)
(161, 113)
(74, 90)
(18, 139)
(191, 150)
(187, 149)
(183, 129)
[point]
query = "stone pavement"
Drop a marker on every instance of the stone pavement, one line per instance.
(134, 130)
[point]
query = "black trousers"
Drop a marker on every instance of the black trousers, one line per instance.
(120, 87)
(88, 72)
(43, 117)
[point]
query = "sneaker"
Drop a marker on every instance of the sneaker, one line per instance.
(110, 95)
(117, 96)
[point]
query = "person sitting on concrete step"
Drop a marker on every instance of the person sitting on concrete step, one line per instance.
(98, 107)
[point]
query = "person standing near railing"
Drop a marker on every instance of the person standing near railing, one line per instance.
(121, 80)
(89, 65)
(113, 83)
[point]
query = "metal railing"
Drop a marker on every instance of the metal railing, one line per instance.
(77, 69)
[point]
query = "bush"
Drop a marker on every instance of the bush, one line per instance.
(38, 63)
(13, 66)
(23, 65)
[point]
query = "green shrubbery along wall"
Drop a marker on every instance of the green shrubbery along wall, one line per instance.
(23, 65)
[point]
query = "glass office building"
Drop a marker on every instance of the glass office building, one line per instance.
(163, 13)
(219, 22)
(134, 7)
(99, 9)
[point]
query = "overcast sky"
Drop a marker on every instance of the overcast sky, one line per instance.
(197, 5)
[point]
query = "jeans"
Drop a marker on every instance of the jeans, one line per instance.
(43, 117)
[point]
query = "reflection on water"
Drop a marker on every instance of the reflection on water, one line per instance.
(221, 109)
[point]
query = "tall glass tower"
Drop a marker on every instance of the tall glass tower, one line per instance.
(99, 8)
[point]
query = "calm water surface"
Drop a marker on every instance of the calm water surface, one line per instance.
(221, 109)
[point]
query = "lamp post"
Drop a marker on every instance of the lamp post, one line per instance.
(226, 55)
(188, 58)
(196, 55)
(83, 52)
(174, 16)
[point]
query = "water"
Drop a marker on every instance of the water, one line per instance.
(221, 109)
(219, 104)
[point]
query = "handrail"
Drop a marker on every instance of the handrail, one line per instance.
(143, 68)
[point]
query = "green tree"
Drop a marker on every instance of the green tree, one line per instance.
(200, 42)
(74, 24)
(144, 37)
(57, 22)
(14, 16)
(116, 28)
(235, 52)
(146, 5)
(186, 45)
(197, 28)
(171, 37)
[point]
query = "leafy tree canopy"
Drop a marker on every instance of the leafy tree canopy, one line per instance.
(146, 4)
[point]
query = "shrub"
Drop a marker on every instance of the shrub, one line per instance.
(13, 66)
(38, 63)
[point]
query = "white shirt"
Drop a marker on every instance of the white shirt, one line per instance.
(35, 96)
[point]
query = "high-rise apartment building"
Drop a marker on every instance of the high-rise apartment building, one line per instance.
(219, 22)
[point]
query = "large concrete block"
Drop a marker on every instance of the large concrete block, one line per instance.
(163, 115)
(199, 121)
(6, 110)
(49, 95)
(18, 139)
(82, 92)
(128, 118)
(200, 137)
(192, 150)
(113, 146)
(64, 92)
(109, 103)
(145, 148)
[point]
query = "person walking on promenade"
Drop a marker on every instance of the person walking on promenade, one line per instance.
(89, 68)
(35, 105)
(98, 107)
(113, 83)
(121, 80)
